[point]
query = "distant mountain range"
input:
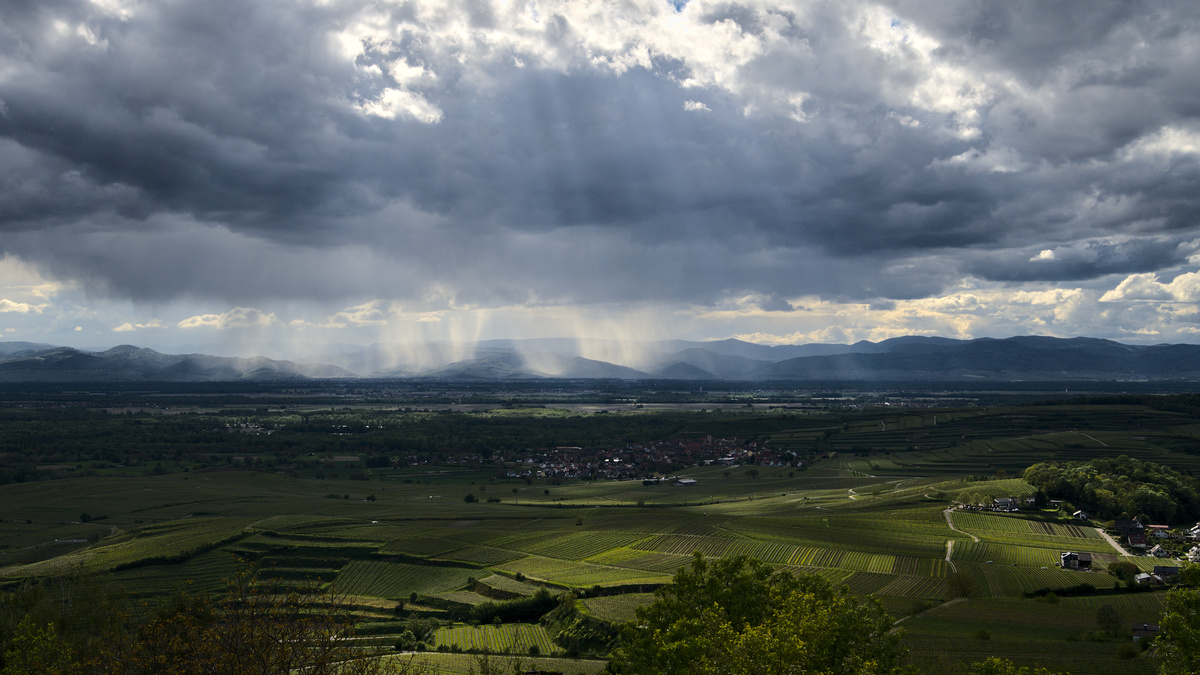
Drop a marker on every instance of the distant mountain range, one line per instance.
(905, 359)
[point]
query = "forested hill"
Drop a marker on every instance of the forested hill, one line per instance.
(898, 360)
(1108, 488)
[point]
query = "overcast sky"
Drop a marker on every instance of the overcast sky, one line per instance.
(177, 173)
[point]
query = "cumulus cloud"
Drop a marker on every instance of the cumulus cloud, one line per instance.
(129, 327)
(7, 305)
(371, 313)
(1183, 288)
(238, 317)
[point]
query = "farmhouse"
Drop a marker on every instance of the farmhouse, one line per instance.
(1160, 552)
(1128, 527)
(1137, 540)
(1168, 574)
(1075, 561)
(1159, 531)
(1005, 504)
(1080, 515)
(1194, 554)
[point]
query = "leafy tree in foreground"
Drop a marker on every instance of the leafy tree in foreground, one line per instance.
(1179, 635)
(737, 616)
(37, 650)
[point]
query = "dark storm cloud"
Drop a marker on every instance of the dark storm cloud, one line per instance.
(251, 157)
(1081, 261)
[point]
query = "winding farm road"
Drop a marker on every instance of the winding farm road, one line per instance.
(950, 542)
(1112, 541)
(1093, 438)
(950, 522)
(948, 603)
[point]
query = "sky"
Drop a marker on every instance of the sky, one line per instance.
(179, 174)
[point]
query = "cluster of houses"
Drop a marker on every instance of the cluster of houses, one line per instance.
(641, 460)
(1140, 536)
(1082, 561)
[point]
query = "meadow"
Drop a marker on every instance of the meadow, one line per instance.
(867, 509)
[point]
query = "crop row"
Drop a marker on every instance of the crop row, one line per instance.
(657, 562)
(503, 583)
(979, 523)
(1006, 581)
(579, 574)
(523, 541)
(684, 545)
(915, 587)
(397, 580)
(513, 638)
(770, 553)
(920, 567)
(868, 582)
(617, 608)
(868, 562)
(482, 555)
(423, 547)
(206, 572)
(1028, 556)
(465, 664)
(161, 544)
(580, 545)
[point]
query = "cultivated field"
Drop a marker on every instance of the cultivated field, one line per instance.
(869, 512)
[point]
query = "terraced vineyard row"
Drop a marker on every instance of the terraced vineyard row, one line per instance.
(397, 580)
(580, 574)
(977, 523)
(1028, 556)
(423, 547)
(1001, 580)
(205, 573)
(465, 664)
(581, 545)
(175, 539)
(512, 638)
(618, 608)
(916, 587)
(482, 555)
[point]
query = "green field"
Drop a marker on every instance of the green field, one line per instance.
(871, 514)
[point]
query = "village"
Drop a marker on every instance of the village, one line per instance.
(642, 461)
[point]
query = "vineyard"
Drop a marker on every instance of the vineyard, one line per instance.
(405, 544)
(511, 638)
(398, 580)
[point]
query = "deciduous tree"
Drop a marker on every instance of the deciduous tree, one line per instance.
(1179, 635)
(737, 616)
